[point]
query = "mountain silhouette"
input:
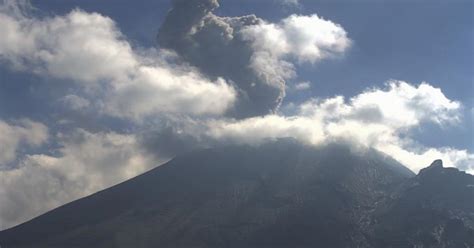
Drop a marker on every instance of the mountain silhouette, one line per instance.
(279, 194)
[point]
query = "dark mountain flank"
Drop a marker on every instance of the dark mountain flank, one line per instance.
(280, 194)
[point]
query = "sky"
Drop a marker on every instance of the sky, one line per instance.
(95, 92)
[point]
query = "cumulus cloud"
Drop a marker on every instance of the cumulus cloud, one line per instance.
(379, 118)
(88, 49)
(20, 133)
(306, 38)
(252, 53)
(86, 162)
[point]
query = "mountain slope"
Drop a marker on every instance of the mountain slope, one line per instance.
(433, 209)
(280, 194)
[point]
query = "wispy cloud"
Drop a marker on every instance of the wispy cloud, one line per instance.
(301, 86)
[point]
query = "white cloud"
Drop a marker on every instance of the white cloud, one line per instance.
(87, 162)
(175, 92)
(301, 86)
(375, 118)
(405, 105)
(258, 129)
(22, 132)
(89, 49)
(305, 38)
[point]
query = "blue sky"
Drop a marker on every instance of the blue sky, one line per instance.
(90, 97)
(417, 41)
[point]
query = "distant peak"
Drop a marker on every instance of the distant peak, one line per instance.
(438, 163)
(436, 166)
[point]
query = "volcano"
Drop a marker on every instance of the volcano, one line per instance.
(278, 194)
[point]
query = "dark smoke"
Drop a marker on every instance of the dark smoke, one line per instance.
(215, 45)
